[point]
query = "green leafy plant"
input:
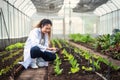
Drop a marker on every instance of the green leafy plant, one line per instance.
(97, 65)
(74, 69)
(14, 46)
(53, 43)
(11, 47)
(87, 68)
(8, 68)
(81, 38)
(101, 59)
(57, 63)
(19, 45)
(75, 66)
(57, 70)
(115, 67)
(102, 42)
(58, 43)
(11, 55)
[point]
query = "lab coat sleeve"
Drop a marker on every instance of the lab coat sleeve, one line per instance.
(34, 38)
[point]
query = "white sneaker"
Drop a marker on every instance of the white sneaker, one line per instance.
(33, 64)
(41, 62)
(40, 59)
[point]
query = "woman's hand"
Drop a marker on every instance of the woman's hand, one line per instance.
(52, 49)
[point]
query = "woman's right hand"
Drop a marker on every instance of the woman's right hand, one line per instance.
(52, 49)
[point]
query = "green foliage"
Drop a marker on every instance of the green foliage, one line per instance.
(81, 38)
(19, 45)
(14, 46)
(87, 68)
(115, 67)
(11, 55)
(73, 62)
(11, 47)
(102, 42)
(115, 38)
(75, 66)
(97, 65)
(74, 69)
(96, 56)
(53, 43)
(109, 44)
(58, 43)
(57, 70)
(57, 63)
(101, 59)
(8, 68)
(87, 56)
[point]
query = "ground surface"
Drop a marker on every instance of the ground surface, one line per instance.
(33, 74)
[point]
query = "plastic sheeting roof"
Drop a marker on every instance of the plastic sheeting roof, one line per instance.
(26, 6)
(110, 6)
(48, 6)
(88, 5)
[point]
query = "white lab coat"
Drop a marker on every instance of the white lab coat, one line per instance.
(33, 40)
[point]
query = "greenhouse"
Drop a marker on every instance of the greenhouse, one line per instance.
(60, 39)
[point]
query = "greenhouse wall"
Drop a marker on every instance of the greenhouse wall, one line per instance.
(109, 21)
(14, 24)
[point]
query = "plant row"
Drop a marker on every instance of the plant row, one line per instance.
(10, 58)
(106, 44)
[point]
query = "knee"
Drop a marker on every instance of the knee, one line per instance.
(34, 49)
(54, 57)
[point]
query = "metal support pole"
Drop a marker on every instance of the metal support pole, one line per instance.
(5, 25)
(69, 18)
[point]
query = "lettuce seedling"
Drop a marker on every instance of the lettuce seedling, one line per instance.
(57, 70)
(87, 68)
(74, 69)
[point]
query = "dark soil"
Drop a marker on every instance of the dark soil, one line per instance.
(81, 75)
(12, 73)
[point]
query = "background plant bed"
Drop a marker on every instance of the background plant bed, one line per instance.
(116, 62)
(105, 44)
(81, 75)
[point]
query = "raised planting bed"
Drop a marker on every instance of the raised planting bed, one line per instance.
(114, 61)
(104, 44)
(9, 67)
(78, 64)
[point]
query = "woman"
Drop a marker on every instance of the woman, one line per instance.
(36, 50)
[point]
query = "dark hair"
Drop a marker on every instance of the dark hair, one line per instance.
(44, 22)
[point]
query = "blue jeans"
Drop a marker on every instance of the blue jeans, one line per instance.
(35, 52)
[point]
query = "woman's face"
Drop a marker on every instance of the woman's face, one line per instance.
(46, 28)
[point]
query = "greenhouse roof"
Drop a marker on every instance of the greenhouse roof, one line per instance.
(29, 7)
(88, 5)
(26, 6)
(48, 6)
(108, 7)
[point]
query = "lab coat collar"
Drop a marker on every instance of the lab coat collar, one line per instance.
(39, 29)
